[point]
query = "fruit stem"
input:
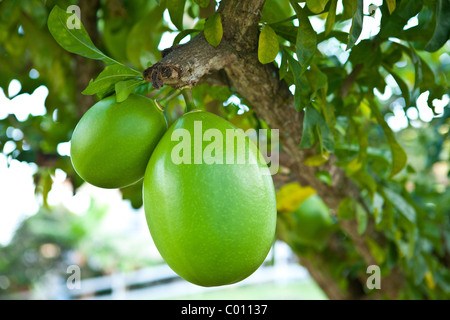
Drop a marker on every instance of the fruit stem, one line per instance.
(173, 94)
(160, 107)
(187, 95)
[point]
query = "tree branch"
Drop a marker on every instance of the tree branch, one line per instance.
(185, 65)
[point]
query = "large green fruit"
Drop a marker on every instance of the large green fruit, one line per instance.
(112, 143)
(213, 223)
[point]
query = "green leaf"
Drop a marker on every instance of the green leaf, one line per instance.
(312, 117)
(133, 193)
(349, 208)
(361, 218)
(392, 25)
(180, 36)
(317, 159)
(377, 203)
(176, 12)
(302, 87)
(424, 77)
(346, 209)
(413, 235)
(318, 81)
(401, 204)
(315, 129)
(284, 65)
(45, 185)
(285, 31)
(275, 11)
(302, 92)
(390, 5)
(306, 41)
(125, 88)
(144, 88)
(399, 157)
(357, 24)
(366, 181)
(377, 252)
(401, 84)
(142, 43)
(363, 142)
(385, 218)
(202, 3)
(213, 30)
(73, 40)
(350, 7)
(316, 6)
(325, 177)
(442, 30)
(365, 53)
(268, 46)
(331, 18)
(338, 35)
(419, 268)
(106, 80)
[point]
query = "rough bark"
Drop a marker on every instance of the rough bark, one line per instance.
(236, 61)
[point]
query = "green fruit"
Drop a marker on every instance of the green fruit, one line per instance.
(312, 222)
(112, 143)
(214, 223)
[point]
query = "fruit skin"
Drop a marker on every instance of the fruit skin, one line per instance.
(213, 224)
(312, 222)
(112, 142)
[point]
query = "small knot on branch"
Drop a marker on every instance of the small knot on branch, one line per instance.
(159, 74)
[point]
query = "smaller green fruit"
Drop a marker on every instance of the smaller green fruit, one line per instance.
(312, 222)
(112, 143)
